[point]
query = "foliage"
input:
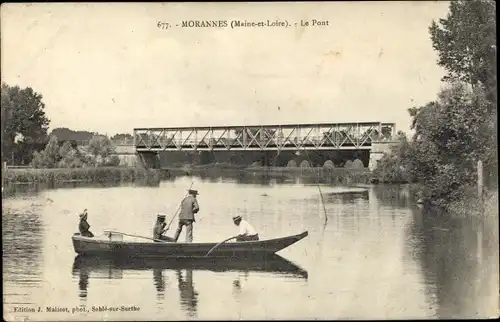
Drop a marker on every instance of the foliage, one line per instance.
(49, 157)
(23, 116)
(101, 150)
(466, 43)
(122, 137)
(65, 134)
(66, 156)
(459, 128)
(70, 157)
(396, 166)
(451, 134)
(101, 174)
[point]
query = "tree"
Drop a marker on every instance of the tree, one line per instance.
(64, 134)
(101, 149)
(22, 116)
(397, 165)
(451, 134)
(70, 157)
(122, 137)
(49, 157)
(466, 43)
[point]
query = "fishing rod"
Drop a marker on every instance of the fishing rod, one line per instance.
(319, 188)
(317, 183)
(132, 235)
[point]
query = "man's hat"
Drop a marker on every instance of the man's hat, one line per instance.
(83, 214)
(236, 218)
(160, 216)
(193, 192)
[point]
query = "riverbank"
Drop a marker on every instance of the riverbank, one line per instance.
(90, 174)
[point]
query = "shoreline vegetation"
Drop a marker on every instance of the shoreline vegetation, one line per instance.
(88, 174)
(29, 175)
(450, 159)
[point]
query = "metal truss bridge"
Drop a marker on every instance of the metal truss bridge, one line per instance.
(324, 136)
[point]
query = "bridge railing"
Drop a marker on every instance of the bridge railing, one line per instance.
(314, 136)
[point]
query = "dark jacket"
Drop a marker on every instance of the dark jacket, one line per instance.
(84, 227)
(158, 230)
(189, 207)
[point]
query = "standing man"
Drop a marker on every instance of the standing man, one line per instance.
(189, 207)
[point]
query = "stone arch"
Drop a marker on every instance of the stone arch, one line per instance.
(305, 164)
(329, 164)
(357, 164)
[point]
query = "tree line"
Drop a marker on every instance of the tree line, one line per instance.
(457, 129)
(26, 141)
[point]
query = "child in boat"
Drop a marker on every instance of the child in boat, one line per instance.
(159, 229)
(84, 226)
(247, 232)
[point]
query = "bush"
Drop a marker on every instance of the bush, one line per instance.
(451, 134)
(98, 153)
(94, 174)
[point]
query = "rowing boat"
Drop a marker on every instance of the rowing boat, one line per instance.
(99, 266)
(107, 246)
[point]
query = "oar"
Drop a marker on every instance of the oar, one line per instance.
(213, 248)
(137, 236)
(175, 215)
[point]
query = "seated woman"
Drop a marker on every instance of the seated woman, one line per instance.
(247, 233)
(84, 226)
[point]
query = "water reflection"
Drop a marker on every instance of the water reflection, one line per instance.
(458, 262)
(428, 265)
(22, 258)
(85, 268)
(394, 195)
(265, 176)
(103, 267)
(347, 197)
(83, 283)
(188, 295)
(159, 282)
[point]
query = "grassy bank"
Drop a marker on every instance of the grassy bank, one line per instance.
(97, 174)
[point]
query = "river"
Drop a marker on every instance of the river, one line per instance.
(376, 257)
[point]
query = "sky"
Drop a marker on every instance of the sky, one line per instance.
(108, 68)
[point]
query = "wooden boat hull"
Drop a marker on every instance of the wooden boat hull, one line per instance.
(104, 247)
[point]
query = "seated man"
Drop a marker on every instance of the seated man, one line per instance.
(247, 233)
(84, 226)
(159, 229)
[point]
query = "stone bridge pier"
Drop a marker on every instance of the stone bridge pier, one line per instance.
(377, 152)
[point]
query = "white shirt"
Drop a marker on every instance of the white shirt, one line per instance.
(246, 229)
